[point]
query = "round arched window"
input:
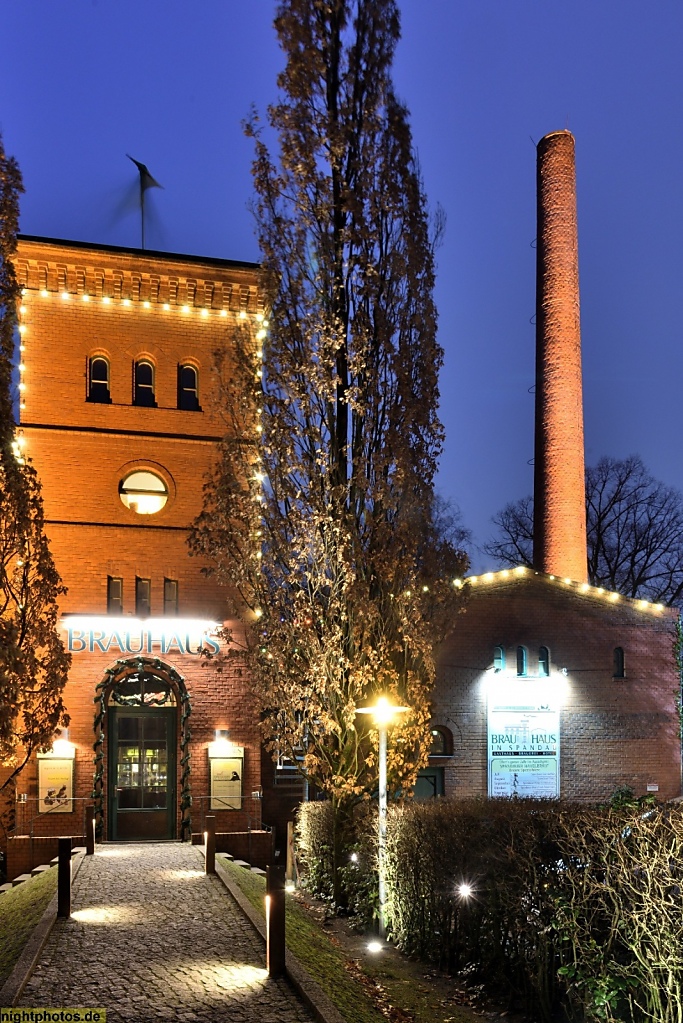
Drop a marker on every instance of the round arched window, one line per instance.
(143, 492)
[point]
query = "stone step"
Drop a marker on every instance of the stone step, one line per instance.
(5, 888)
(41, 869)
(242, 863)
(257, 870)
(20, 879)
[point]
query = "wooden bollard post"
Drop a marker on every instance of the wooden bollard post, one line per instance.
(210, 852)
(89, 830)
(64, 878)
(275, 921)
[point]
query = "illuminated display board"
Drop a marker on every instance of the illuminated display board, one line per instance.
(524, 737)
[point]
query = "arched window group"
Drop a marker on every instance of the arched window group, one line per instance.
(144, 383)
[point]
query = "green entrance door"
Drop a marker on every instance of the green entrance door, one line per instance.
(142, 768)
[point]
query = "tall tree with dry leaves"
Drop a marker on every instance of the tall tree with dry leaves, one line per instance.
(321, 514)
(33, 662)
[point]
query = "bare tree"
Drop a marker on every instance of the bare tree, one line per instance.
(634, 532)
(321, 515)
(33, 662)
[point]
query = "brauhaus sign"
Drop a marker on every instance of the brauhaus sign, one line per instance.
(192, 636)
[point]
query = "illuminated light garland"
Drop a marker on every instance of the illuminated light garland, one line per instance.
(581, 587)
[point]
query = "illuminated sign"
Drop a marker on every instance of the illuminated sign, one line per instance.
(89, 634)
(226, 779)
(524, 737)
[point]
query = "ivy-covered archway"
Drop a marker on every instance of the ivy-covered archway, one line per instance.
(114, 677)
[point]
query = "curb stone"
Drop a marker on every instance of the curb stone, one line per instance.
(13, 987)
(308, 989)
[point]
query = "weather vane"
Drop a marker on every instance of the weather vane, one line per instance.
(146, 181)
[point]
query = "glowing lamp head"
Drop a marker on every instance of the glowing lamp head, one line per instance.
(383, 711)
(375, 947)
(465, 891)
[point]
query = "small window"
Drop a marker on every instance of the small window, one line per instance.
(619, 664)
(98, 380)
(143, 589)
(188, 388)
(442, 742)
(143, 384)
(114, 595)
(521, 660)
(170, 596)
(143, 492)
(543, 661)
(498, 658)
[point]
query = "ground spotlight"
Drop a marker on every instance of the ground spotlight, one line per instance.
(375, 946)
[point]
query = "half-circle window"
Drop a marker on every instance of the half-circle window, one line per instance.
(143, 384)
(143, 492)
(98, 380)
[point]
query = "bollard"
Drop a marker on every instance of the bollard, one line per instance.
(64, 878)
(89, 830)
(275, 921)
(210, 843)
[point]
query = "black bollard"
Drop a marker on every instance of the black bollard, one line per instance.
(89, 830)
(64, 878)
(210, 852)
(275, 921)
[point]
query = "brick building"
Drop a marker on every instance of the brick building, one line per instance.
(118, 417)
(549, 686)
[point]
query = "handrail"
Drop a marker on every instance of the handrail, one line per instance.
(44, 813)
(254, 820)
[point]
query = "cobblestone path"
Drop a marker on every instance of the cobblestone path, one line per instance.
(152, 938)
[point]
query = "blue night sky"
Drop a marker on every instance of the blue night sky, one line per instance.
(85, 82)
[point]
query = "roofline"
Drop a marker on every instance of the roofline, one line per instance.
(153, 253)
(508, 575)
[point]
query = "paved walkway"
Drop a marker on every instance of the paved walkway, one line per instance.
(152, 938)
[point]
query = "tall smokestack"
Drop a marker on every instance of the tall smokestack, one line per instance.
(559, 470)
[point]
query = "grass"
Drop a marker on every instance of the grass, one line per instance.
(20, 911)
(394, 982)
(316, 953)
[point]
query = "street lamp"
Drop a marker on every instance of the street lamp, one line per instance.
(383, 713)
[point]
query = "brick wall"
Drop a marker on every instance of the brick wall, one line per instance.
(80, 301)
(614, 731)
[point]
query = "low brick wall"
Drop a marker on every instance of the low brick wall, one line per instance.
(24, 853)
(256, 847)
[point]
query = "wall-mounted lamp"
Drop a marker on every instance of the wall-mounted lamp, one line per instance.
(62, 748)
(221, 746)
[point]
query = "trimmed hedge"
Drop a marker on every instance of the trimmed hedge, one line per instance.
(574, 910)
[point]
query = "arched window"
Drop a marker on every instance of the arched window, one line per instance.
(98, 380)
(543, 660)
(188, 388)
(143, 384)
(521, 660)
(498, 658)
(442, 742)
(619, 664)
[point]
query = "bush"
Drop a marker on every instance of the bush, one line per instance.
(575, 910)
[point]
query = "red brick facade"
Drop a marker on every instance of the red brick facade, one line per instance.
(82, 302)
(614, 731)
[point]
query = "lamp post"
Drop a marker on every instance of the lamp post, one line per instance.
(383, 713)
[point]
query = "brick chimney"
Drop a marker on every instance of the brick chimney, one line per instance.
(559, 483)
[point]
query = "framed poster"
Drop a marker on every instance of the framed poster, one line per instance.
(226, 780)
(55, 785)
(524, 738)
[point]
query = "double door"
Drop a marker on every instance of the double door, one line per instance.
(142, 774)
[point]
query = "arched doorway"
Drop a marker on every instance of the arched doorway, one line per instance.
(139, 714)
